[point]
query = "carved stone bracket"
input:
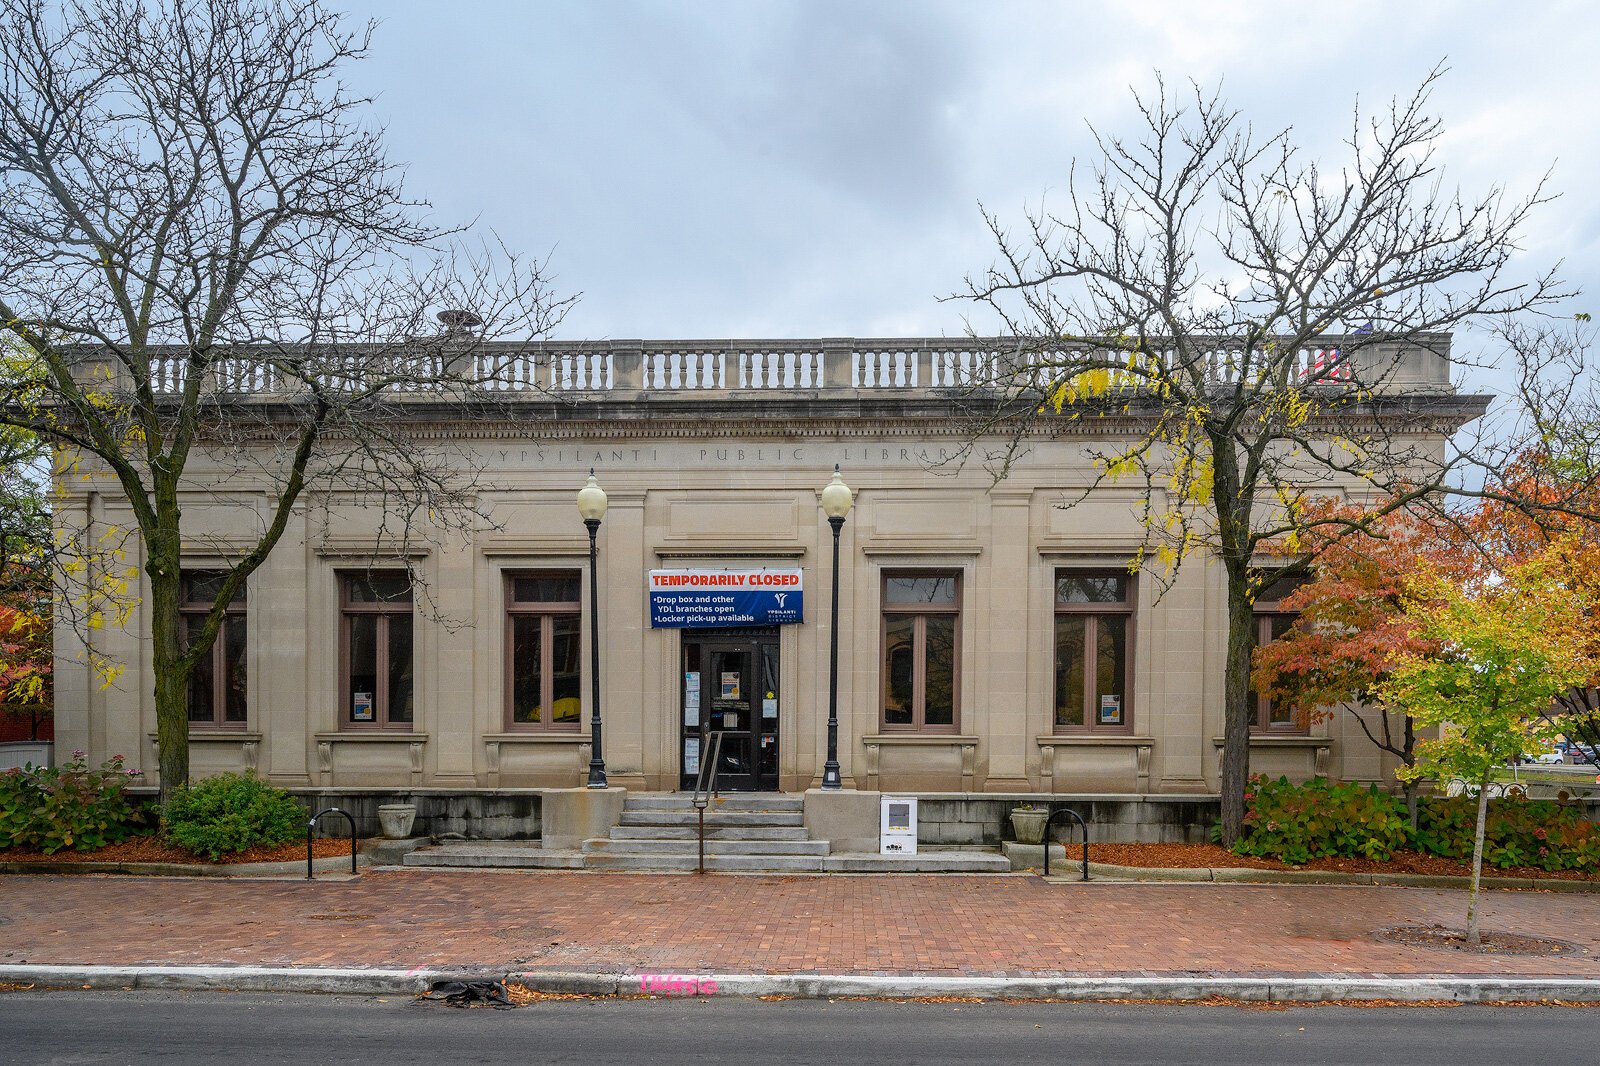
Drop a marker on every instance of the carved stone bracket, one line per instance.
(492, 762)
(873, 751)
(325, 761)
(1141, 756)
(415, 748)
(252, 755)
(969, 766)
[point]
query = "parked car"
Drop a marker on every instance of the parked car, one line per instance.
(1550, 758)
(1581, 753)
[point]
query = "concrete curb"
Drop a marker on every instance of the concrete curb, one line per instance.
(1319, 989)
(229, 978)
(1266, 989)
(339, 864)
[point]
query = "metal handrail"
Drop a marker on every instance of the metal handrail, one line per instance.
(705, 786)
(311, 827)
(1081, 825)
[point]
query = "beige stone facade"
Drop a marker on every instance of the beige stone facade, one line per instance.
(714, 466)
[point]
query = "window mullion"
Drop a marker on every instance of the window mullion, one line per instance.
(219, 675)
(919, 672)
(1091, 667)
(380, 658)
(547, 662)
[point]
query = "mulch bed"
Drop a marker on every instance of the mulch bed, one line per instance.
(1200, 856)
(1492, 942)
(152, 849)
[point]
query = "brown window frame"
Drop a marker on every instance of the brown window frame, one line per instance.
(920, 612)
(1093, 612)
(235, 614)
(349, 610)
(1267, 612)
(547, 611)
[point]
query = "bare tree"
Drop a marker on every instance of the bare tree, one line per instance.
(195, 221)
(1252, 330)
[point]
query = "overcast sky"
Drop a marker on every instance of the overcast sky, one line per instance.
(776, 169)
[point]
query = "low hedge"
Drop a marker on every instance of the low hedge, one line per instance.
(231, 813)
(70, 806)
(1298, 823)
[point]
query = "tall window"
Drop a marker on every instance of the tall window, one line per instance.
(1094, 670)
(921, 630)
(217, 686)
(1272, 622)
(544, 686)
(375, 638)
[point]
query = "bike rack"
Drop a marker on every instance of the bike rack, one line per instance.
(311, 827)
(1084, 826)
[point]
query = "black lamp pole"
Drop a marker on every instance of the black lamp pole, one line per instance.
(597, 762)
(830, 769)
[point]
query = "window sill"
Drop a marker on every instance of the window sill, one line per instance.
(216, 734)
(1320, 749)
(964, 743)
(1112, 746)
(372, 736)
(954, 739)
(576, 736)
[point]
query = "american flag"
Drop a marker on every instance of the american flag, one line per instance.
(1326, 364)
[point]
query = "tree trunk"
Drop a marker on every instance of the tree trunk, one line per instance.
(172, 682)
(1477, 863)
(1238, 714)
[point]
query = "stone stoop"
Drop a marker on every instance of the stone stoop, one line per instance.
(745, 833)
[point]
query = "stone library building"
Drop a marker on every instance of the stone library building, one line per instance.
(982, 641)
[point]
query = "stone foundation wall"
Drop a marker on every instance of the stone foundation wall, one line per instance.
(985, 821)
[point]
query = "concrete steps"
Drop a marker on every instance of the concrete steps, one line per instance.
(688, 832)
(750, 833)
(745, 833)
(494, 854)
(719, 819)
(713, 847)
(753, 864)
(734, 801)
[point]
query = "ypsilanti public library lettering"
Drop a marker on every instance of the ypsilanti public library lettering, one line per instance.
(990, 640)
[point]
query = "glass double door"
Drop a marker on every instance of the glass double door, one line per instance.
(730, 686)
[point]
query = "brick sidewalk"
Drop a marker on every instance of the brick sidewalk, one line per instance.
(904, 924)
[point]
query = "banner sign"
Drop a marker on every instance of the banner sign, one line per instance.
(683, 598)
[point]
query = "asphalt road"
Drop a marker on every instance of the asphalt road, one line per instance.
(92, 1027)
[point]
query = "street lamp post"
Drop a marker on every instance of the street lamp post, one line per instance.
(836, 501)
(592, 506)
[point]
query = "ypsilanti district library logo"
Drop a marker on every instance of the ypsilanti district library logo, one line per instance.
(683, 598)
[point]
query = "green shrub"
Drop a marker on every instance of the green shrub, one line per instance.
(1517, 832)
(1298, 823)
(232, 813)
(70, 806)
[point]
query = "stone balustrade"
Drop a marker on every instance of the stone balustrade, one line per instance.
(622, 368)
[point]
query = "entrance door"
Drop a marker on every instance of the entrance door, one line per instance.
(730, 686)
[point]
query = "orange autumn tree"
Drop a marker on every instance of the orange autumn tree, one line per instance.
(1548, 504)
(26, 663)
(1352, 629)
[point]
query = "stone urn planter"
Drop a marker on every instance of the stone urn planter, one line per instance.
(395, 819)
(1028, 824)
